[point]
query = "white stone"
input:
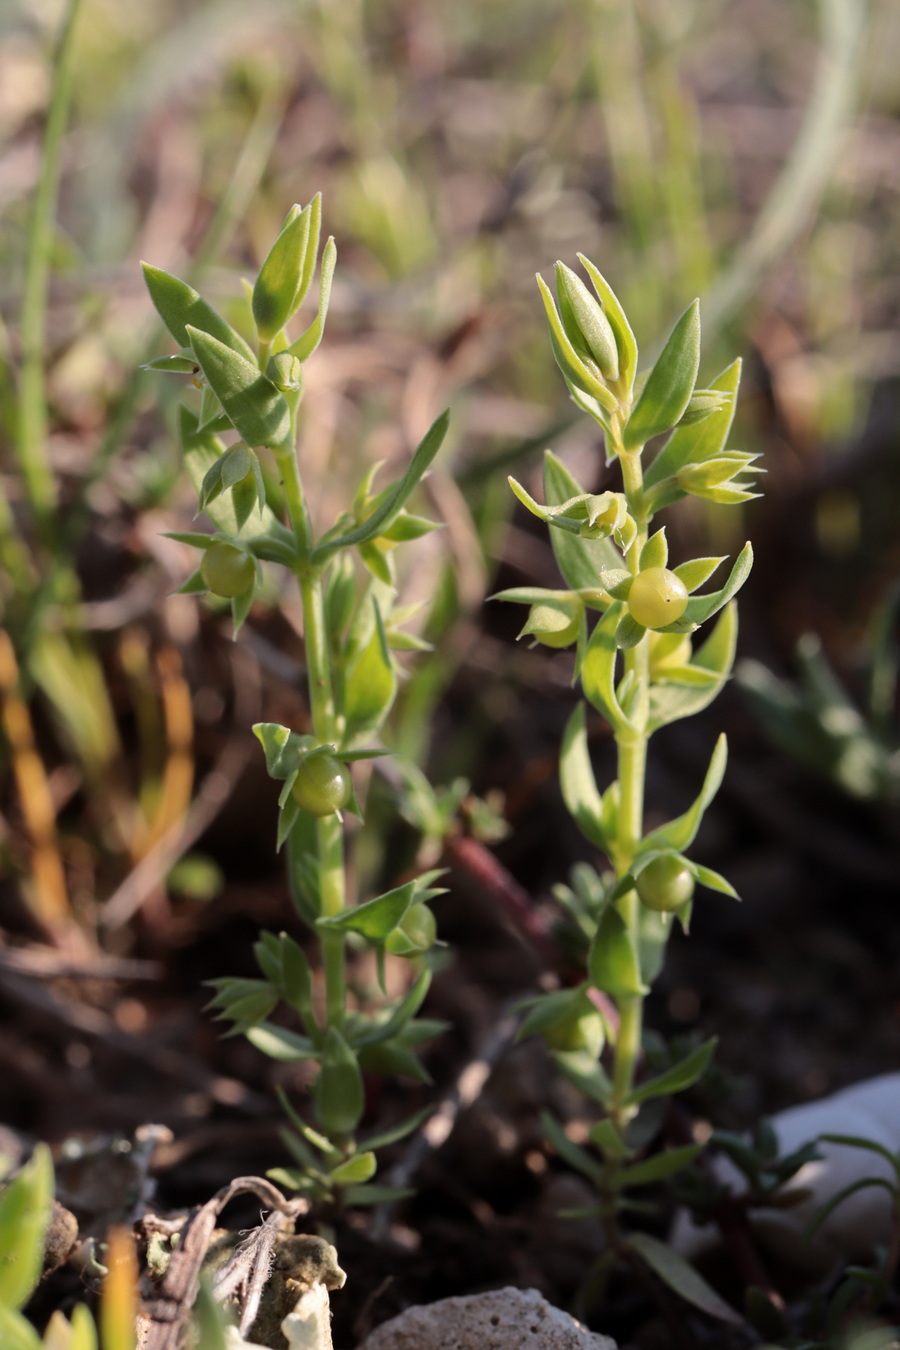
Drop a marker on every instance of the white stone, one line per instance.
(869, 1110)
(502, 1319)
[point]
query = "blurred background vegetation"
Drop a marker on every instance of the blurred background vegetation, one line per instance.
(744, 150)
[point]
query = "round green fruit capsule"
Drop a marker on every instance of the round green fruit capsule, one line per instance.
(657, 597)
(665, 884)
(323, 785)
(227, 570)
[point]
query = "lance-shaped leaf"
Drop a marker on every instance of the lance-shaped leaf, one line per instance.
(699, 608)
(697, 570)
(245, 1003)
(670, 383)
(581, 560)
(613, 959)
(706, 876)
(576, 777)
(255, 408)
(308, 341)
(361, 1167)
(681, 1076)
(375, 919)
(394, 1133)
(370, 685)
(669, 702)
(279, 1043)
(24, 1215)
(391, 1021)
(180, 307)
(598, 669)
(661, 1165)
(680, 833)
(276, 292)
(394, 500)
(704, 440)
(572, 1153)
(182, 364)
(674, 1271)
(655, 552)
(338, 1092)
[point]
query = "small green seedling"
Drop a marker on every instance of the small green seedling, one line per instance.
(251, 392)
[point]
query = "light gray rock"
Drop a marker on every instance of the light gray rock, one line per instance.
(868, 1110)
(502, 1319)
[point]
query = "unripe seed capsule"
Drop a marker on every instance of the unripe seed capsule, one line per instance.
(657, 597)
(323, 785)
(227, 570)
(665, 884)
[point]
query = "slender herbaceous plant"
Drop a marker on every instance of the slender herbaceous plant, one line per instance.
(639, 666)
(250, 391)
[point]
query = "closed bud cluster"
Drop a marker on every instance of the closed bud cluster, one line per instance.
(702, 404)
(585, 323)
(718, 479)
(592, 343)
(285, 372)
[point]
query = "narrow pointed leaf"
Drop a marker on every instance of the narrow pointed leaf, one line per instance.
(702, 607)
(576, 776)
(674, 1271)
(395, 500)
(394, 1133)
(180, 306)
(681, 1076)
(254, 406)
(279, 1043)
(661, 1165)
(669, 384)
(278, 282)
(570, 1152)
(714, 880)
(308, 341)
(680, 833)
(695, 572)
(598, 670)
(704, 440)
(370, 685)
(24, 1215)
(338, 1092)
(669, 702)
(613, 960)
(375, 919)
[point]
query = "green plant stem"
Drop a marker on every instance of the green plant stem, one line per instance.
(632, 761)
(324, 723)
(33, 420)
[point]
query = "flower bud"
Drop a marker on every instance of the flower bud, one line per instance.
(586, 325)
(285, 372)
(702, 404)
